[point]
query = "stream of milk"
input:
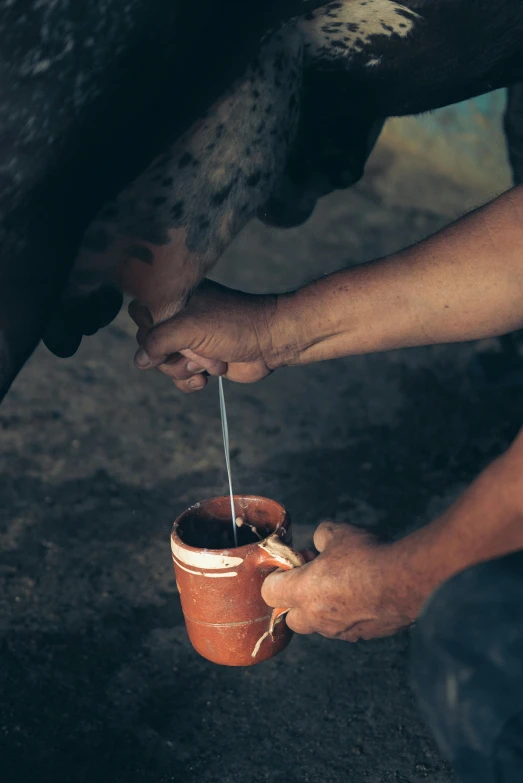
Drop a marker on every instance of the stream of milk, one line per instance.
(225, 431)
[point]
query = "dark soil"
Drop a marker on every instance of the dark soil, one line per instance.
(98, 682)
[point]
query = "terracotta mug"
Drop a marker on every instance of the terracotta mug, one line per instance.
(227, 620)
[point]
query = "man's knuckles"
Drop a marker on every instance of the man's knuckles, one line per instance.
(324, 534)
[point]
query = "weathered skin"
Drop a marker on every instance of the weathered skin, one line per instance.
(92, 93)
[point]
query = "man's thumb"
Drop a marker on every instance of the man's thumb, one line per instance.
(279, 588)
(161, 341)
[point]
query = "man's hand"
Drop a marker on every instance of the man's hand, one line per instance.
(362, 588)
(221, 332)
(419, 296)
(347, 592)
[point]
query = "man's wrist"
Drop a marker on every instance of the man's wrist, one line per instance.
(486, 522)
(282, 317)
(402, 594)
(300, 329)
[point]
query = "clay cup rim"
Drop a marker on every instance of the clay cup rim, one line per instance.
(219, 508)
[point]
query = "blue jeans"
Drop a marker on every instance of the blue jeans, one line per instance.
(468, 670)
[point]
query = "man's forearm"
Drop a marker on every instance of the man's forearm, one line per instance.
(484, 523)
(464, 283)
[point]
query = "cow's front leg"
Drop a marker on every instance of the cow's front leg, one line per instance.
(164, 233)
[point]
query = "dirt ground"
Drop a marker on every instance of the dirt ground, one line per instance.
(98, 681)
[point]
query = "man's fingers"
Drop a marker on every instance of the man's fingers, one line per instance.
(194, 384)
(140, 334)
(324, 533)
(176, 367)
(179, 368)
(183, 365)
(163, 340)
(145, 362)
(140, 315)
(297, 623)
(197, 363)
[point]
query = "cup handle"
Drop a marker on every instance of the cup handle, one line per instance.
(273, 552)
